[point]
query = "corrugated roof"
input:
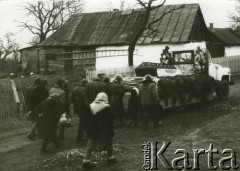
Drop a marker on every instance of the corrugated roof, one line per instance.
(113, 28)
(227, 35)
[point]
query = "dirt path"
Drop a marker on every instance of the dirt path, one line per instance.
(184, 128)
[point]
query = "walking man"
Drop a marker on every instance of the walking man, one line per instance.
(81, 107)
(148, 97)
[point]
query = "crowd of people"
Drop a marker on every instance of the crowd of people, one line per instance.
(99, 106)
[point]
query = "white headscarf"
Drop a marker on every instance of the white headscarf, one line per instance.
(100, 103)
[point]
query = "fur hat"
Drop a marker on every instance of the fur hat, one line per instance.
(118, 77)
(148, 77)
(83, 82)
(37, 81)
(106, 79)
(60, 82)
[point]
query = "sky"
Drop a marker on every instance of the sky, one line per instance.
(214, 11)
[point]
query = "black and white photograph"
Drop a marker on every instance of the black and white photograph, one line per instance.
(119, 85)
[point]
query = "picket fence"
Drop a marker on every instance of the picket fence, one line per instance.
(233, 62)
(13, 91)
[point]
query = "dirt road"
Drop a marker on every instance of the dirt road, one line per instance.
(187, 128)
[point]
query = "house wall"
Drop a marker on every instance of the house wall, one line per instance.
(29, 58)
(143, 53)
(50, 65)
(232, 51)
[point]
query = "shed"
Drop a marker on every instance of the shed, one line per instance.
(224, 41)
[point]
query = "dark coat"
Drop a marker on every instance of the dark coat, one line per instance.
(51, 110)
(148, 95)
(100, 126)
(79, 100)
(93, 88)
(28, 98)
(133, 106)
(116, 91)
(36, 95)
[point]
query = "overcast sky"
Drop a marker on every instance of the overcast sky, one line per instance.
(214, 11)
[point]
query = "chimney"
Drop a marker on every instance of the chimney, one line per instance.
(211, 27)
(115, 10)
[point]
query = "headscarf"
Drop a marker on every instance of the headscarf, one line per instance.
(54, 96)
(100, 103)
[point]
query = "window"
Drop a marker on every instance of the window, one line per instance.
(183, 57)
(51, 56)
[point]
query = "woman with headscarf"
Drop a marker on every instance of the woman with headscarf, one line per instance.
(100, 130)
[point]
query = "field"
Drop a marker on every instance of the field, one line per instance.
(187, 128)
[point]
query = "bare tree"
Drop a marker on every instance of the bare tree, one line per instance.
(34, 41)
(8, 46)
(147, 25)
(235, 16)
(45, 17)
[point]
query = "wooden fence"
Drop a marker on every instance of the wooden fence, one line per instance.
(9, 66)
(233, 62)
(12, 90)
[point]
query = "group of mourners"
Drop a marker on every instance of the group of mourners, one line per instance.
(99, 106)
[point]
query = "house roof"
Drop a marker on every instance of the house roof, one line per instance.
(228, 36)
(28, 48)
(116, 28)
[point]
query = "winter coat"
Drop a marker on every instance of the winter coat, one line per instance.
(100, 125)
(51, 111)
(116, 91)
(62, 96)
(133, 105)
(93, 88)
(28, 98)
(36, 95)
(79, 100)
(148, 95)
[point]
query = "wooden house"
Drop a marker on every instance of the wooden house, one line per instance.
(101, 40)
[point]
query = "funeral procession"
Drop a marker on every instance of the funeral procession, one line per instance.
(119, 85)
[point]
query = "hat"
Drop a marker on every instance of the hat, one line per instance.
(60, 82)
(148, 77)
(83, 82)
(118, 77)
(106, 79)
(37, 81)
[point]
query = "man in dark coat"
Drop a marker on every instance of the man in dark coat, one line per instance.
(34, 97)
(149, 100)
(93, 88)
(116, 92)
(81, 107)
(49, 117)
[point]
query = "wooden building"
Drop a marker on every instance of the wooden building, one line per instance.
(100, 40)
(224, 41)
